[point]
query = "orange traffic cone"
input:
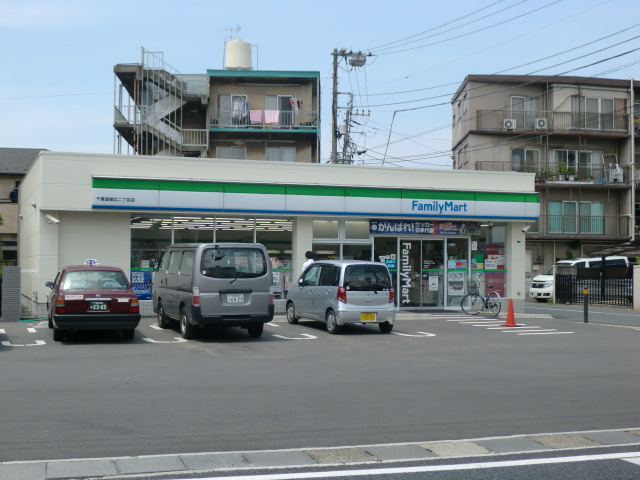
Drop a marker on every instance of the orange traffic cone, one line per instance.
(511, 320)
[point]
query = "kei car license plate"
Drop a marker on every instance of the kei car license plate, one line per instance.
(368, 316)
(99, 306)
(235, 297)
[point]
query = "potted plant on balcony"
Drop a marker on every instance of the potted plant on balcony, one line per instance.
(571, 174)
(563, 170)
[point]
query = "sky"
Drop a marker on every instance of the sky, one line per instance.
(57, 82)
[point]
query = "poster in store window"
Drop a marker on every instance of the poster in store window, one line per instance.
(455, 284)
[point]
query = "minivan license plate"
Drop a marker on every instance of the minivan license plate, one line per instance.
(368, 317)
(235, 297)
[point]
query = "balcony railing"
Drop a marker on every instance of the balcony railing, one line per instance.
(574, 225)
(507, 120)
(597, 175)
(264, 119)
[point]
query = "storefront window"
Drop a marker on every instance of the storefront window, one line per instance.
(149, 235)
(356, 230)
(325, 229)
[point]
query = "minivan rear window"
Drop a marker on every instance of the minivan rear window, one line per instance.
(367, 277)
(233, 262)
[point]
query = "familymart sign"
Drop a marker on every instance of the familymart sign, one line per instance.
(234, 197)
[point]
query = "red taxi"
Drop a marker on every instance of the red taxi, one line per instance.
(92, 297)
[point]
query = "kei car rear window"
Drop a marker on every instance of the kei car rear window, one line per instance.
(233, 262)
(367, 277)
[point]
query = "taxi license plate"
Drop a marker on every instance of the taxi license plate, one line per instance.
(368, 317)
(235, 297)
(97, 306)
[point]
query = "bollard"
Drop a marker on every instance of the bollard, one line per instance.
(585, 292)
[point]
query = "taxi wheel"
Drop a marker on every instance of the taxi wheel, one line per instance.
(58, 335)
(187, 330)
(128, 333)
(163, 320)
(385, 327)
(291, 313)
(332, 323)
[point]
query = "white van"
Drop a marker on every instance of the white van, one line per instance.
(542, 285)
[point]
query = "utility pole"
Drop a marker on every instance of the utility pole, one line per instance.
(355, 59)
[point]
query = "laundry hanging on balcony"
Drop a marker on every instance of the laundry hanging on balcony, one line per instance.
(240, 111)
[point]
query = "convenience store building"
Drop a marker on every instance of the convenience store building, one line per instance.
(435, 229)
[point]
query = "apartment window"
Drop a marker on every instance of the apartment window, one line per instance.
(524, 110)
(285, 105)
(595, 113)
(569, 217)
(280, 154)
(232, 153)
(585, 164)
(525, 160)
(233, 110)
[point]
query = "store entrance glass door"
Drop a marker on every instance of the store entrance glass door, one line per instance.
(421, 272)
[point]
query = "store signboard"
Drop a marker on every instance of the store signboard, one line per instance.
(423, 227)
(185, 195)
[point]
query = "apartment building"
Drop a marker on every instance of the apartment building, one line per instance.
(14, 164)
(579, 135)
(232, 113)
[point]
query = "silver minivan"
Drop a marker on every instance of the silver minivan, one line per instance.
(338, 292)
(218, 284)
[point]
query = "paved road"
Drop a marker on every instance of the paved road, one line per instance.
(224, 399)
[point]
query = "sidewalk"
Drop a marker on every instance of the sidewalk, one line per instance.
(208, 463)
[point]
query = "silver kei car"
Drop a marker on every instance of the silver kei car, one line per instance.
(338, 292)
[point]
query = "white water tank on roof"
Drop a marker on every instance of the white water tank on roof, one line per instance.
(238, 55)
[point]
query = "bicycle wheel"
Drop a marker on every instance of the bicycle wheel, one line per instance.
(494, 304)
(471, 304)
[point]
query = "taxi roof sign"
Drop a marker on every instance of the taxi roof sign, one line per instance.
(90, 262)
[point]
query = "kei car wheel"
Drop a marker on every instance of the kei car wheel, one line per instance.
(385, 327)
(291, 313)
(332, 323)
(187, 330)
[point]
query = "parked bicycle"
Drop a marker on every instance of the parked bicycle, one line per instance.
(473, 303)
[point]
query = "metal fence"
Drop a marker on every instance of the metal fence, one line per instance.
(608, 286)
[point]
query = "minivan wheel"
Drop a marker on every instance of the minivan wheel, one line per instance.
(163, 320)
(187, 330)
(291, 313)
(385, 327)
(332, 323)
(255, 330)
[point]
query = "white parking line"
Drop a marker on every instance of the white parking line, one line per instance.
(177, 340)
(9, 344)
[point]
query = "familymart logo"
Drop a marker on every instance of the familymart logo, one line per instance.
(440, 206)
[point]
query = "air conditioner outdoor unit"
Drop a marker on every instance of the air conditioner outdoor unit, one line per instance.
(541, 124)
(509, 123)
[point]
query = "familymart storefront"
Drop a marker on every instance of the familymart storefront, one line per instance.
(434, 229)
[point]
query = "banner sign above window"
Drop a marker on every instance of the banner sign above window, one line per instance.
(423, 227)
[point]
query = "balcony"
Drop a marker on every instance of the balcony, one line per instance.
(264, 119)
(577, 226)
(552, 122)
(561, 174)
